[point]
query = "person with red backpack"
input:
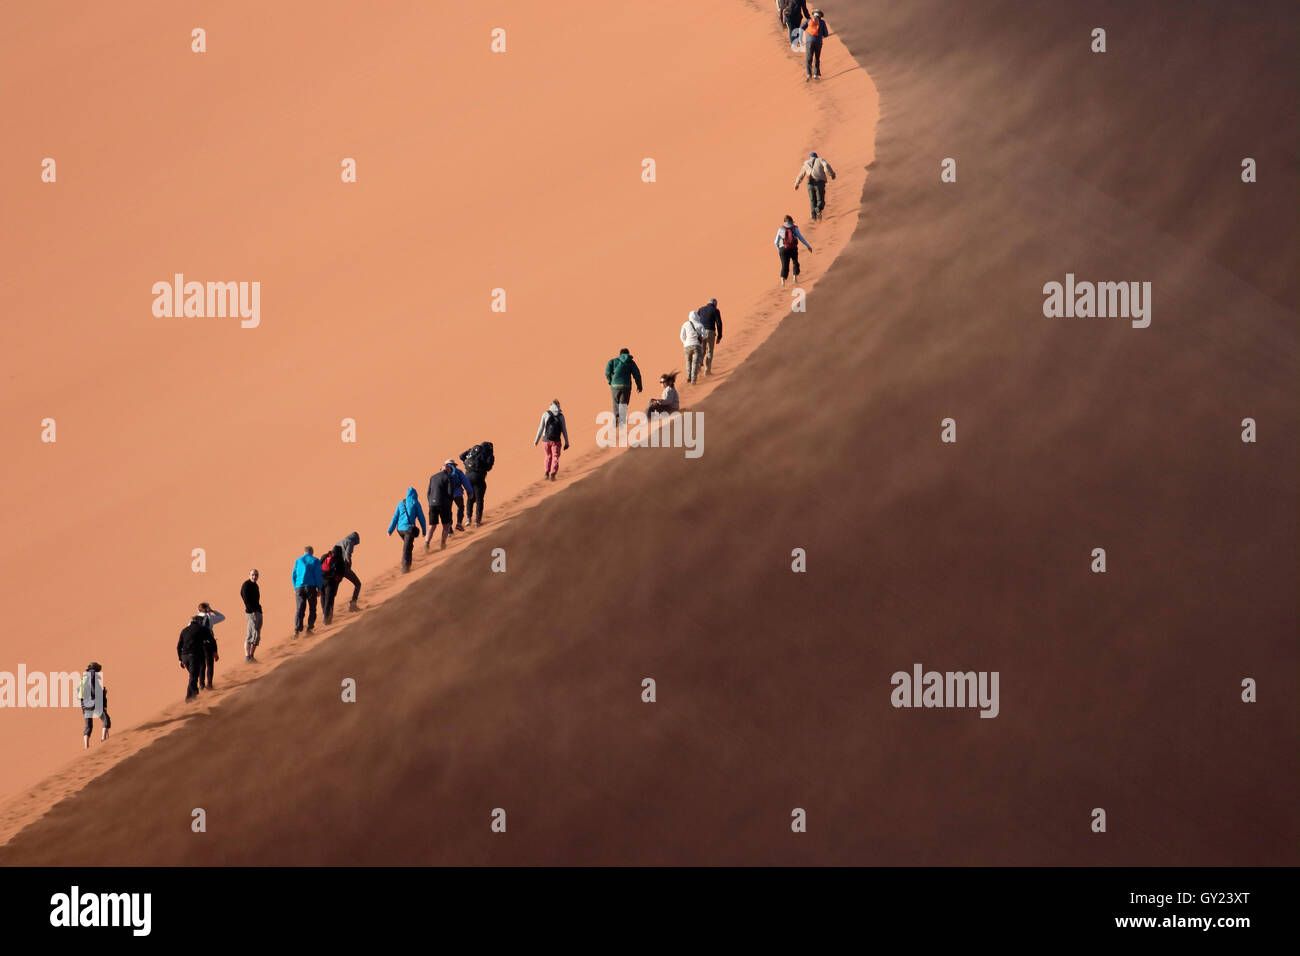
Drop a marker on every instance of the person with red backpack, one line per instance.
(814, 31)
(788, 238)
(331, 573)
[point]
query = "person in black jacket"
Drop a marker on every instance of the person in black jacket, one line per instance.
(793, 14)
(348, 544)
(251, 594)
(478, 462)
(191, 649)
(441, 488)
(331, 577)
(711, 321)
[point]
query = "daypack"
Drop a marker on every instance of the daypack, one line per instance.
(480, 458)
(551, 430)
(332, 566)
(88, 690)
(788, 241)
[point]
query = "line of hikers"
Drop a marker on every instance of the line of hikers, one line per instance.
(466, 490)
(806, 31)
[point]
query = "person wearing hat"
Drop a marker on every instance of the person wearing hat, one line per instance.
(814, 31)
(551, 430)
(94, 702)
(710, 320)
(440, 494)
(815, 170)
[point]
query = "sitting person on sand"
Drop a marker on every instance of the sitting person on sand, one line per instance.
(669, 403)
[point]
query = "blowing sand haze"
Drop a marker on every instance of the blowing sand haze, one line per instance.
(463, 447)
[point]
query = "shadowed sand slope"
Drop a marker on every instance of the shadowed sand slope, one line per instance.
(1119, 690)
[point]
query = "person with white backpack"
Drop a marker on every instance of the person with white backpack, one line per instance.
(94, 701)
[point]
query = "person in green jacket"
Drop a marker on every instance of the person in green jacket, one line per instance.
(619, 373)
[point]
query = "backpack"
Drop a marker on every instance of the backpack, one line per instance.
(788, 241)
(480, 458)
(551, 430)
(88, 690)
(332, 566)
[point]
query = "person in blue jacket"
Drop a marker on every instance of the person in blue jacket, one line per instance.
(408, 519)
(307, 582)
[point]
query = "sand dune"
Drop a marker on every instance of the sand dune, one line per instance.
(476, 171)
(522, 690)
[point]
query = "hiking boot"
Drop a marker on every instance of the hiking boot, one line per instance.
(352, 605)
(460, 527)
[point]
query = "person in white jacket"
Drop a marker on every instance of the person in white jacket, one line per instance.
(94, 701)
(552, 428)
(692, 336)
(213, 618)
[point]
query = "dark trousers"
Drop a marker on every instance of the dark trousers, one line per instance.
(812, 56)
(439, 512)
(306, 596)
(206, 668)
(622, 395)
(789, 256)
(88, 714)
(327, 594)
(816, 197)
(460, 510)
(348, 575)
(408, 543)
(194, 664)
(478, 482)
